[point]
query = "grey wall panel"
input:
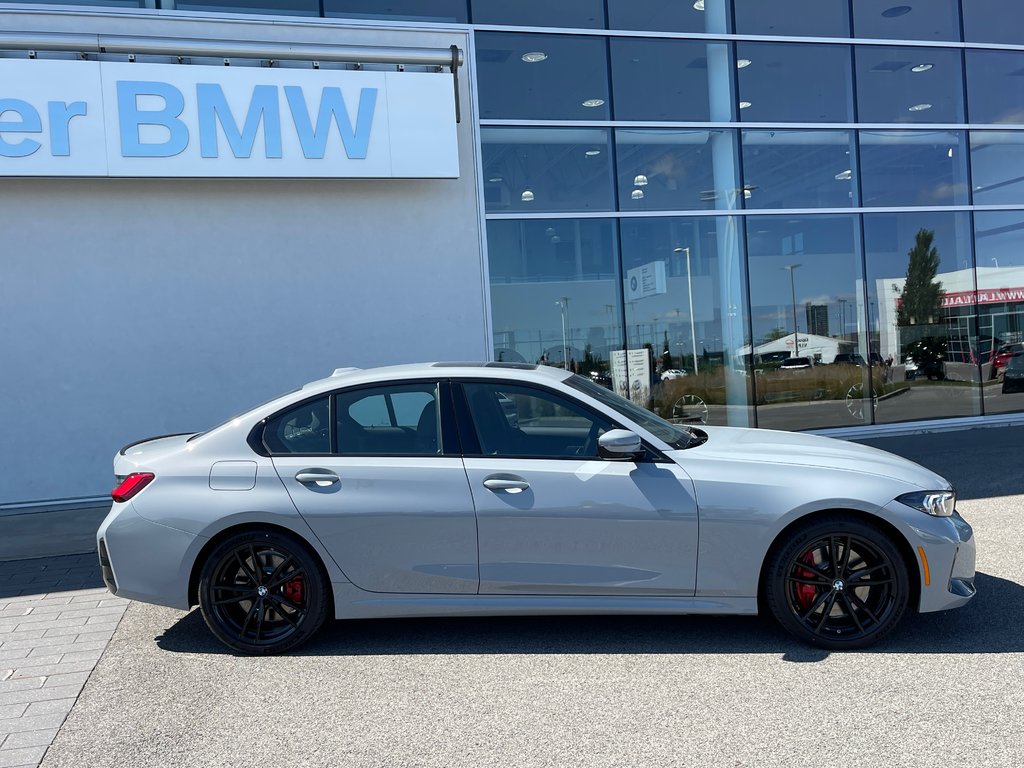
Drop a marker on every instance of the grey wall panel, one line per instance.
(131, 308)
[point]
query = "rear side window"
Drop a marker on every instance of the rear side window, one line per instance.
(400, 420)
(306, 428)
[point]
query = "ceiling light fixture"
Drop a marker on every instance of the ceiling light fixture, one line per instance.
(593, 103)
(638, 194)
(639, 180)
(534, 56)
(919, 107)
(745, 104)
(698, 5)
(495, 179)
(527, 196)
(844, 175)
(921, 68)
(741, 63)
(897, 10)
(592, 152)
(950, 153)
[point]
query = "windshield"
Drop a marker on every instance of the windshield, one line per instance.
(677, 437)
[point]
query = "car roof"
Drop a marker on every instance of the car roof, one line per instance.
(522, 371)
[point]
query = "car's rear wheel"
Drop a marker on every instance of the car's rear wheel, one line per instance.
(263, 592)
(838, 583)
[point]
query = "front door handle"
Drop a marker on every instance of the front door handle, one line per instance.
(320, 477)
(510, 483)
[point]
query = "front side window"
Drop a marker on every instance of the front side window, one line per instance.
(512, 420)
(304, 429)
(400, 420)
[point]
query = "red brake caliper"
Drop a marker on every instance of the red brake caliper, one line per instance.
(805, 593)
(294, 590)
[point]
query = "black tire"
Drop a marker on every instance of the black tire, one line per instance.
(263, 592)
(838, 583)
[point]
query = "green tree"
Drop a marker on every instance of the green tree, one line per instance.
(666, 356)
(922, 293)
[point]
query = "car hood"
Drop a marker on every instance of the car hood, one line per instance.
(766, 446)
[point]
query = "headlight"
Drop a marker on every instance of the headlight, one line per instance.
(938, 503)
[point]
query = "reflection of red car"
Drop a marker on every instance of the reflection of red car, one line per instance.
(1003, 355)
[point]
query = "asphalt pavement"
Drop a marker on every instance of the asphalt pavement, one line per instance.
(946, 689)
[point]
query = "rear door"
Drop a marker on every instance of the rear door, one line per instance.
(375, 472)
(553, 517)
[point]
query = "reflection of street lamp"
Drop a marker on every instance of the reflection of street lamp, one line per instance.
(842, 303)
(689, 287)
(563, 306)
(792, 288)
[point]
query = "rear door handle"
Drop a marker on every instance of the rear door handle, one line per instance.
(319, 477)
(510, 483)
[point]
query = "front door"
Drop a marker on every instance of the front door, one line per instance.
(556, 519)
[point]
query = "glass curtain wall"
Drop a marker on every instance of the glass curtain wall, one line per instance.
(788, 233)
(817, 225)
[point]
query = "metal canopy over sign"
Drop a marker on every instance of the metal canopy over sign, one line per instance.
(68, 118)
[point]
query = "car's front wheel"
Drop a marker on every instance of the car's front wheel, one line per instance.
(838, 583)
(262, 592)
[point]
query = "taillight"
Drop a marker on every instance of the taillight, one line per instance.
(132, 484)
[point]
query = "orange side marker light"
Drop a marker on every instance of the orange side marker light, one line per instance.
(924, 563)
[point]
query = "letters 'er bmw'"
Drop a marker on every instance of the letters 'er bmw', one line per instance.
(503, 489)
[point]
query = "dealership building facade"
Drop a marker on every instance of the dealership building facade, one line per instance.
(205, 204)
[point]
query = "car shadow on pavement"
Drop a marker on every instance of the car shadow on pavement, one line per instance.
(988, 625)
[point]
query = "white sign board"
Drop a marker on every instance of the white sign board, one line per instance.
(646, 280)
(86, 118)
(631, 375)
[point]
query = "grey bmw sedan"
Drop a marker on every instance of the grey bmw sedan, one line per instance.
(510, 489)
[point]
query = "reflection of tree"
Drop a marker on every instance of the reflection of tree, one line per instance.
(774, 334)
(922, 293)
(666, 357)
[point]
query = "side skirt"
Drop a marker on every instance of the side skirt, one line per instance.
(350, 602)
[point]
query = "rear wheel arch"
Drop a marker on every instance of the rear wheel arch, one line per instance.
(883, 525)
(221, 536)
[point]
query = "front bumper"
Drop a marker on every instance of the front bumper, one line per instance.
(143, 560)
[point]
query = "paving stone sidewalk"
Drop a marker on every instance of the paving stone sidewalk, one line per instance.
(56, 619)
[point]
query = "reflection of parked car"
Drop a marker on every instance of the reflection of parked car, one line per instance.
(928, 355)
(1013, 374)
(796, 363)
(1002, 357)
(845, 358)
(672, 373)
(602, 378)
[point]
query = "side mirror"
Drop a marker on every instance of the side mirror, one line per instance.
(620, 444)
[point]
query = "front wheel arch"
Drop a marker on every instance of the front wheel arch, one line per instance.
(220, 536)
(909, 555)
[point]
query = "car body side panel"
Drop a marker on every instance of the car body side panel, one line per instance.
(585, 527)
(392, 524)
(185, 512)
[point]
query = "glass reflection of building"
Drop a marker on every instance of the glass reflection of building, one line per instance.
(729, 204)
(721, 185)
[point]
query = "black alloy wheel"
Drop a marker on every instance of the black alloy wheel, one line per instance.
(838, 583)
(263, 592)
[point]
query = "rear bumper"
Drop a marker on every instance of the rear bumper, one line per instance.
(142, 560)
